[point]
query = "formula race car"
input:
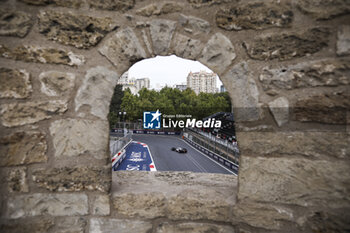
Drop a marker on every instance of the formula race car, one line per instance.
(179, 149)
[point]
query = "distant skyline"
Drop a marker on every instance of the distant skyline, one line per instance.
(166, 70)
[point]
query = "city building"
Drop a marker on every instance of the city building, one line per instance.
(123, 79)
(135, 85)
(202, 82)
(222, 88)
(181, 87)
(142, 83)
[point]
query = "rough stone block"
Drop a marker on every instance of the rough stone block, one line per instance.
(14, 23)
(17, 114)
(42, 55)
(148, 10)
(17, 180)
(186, 47)
(47, 204)
(161, 34)
(54, 83)
(343, 42)
(166, 227)
(64, 3)
(295, 181)
(73, 179)
(143, 205)
(240, 127)
(146, 40)
(240, 81)
(327, 108)
(288, 46)
(254, 16)
(324, 9)
(78, 30)
(328, 220)
(72, 137)
(328, 72)
(313, 145)
(23, 148)
(174, 195)
(170, 7)
(123, 49)
(102, 225)
(201, 204)
(153, 9)
(69, 225)
(218, 53)
(14, 83)
(22, 226)
(267, 216)
(115, 5)
(101, 206)
(96, 91)
(280, 110)
(203, 3)
(194, 25)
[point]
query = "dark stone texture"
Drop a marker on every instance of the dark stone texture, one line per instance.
(14, 23)
(254, 16)
(330, 73)
(201, 3)
(14, 83)
(25, 226)
(330, 221)
(17, 180)
(113, 5)
(313, 145)
(328, 108)
(41, 55)
(65, 3)
(324, 9)
(22, 148)
(16, 114)
(74, 179)
(288, 46)
(70, 29)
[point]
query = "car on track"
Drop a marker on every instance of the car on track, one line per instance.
(179, 149)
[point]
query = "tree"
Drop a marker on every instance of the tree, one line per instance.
(116, 99)
(130, 105)
(171, 101)
(114, 107)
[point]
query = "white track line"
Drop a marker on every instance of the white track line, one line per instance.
(190, 158)
(150, 154)
(208, 157)
(195, 149)
(196, 163)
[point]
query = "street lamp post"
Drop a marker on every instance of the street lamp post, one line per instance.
(122, 116)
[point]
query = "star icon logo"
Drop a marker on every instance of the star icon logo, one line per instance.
(151, 120)
(156, 115)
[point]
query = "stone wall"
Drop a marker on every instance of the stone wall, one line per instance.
(285, 64)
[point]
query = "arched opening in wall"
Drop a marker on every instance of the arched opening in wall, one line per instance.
(172, 114)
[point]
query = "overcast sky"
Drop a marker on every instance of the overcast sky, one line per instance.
(168, 70)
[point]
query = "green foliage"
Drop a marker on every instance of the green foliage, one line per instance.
(114, 107)
(171, 101)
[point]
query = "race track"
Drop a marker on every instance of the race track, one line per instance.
(167, 160)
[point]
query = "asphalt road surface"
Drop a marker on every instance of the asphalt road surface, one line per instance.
(167, 160)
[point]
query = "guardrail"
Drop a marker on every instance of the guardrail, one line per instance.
(119, 144)
(225, 143)
(118, 159)
(227, 163)
(147, 131)
(156, 132)
(229, 152)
